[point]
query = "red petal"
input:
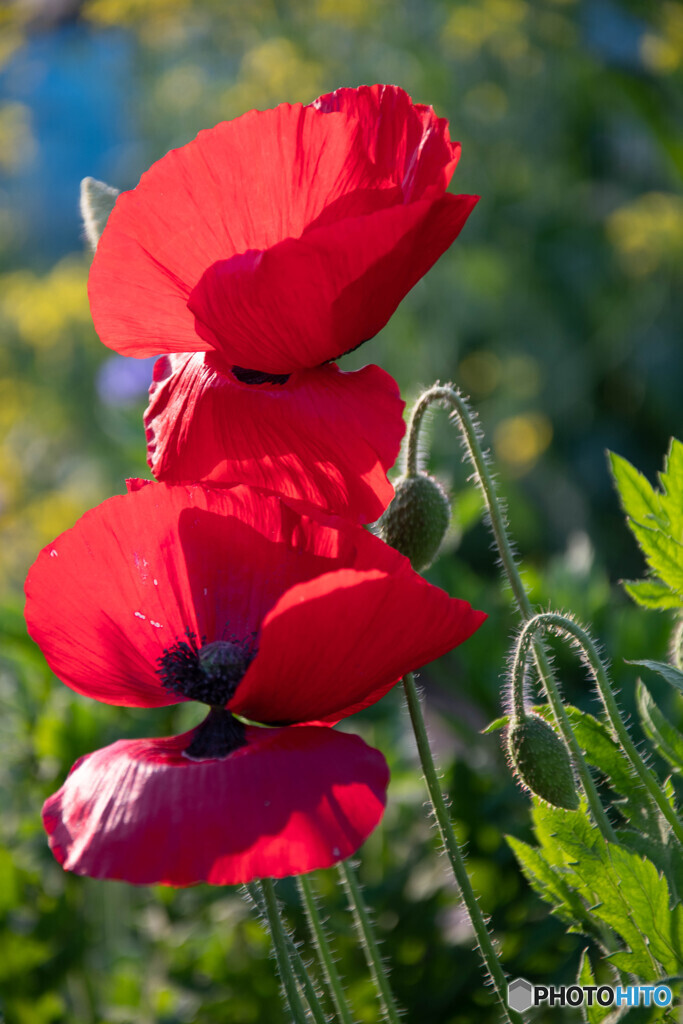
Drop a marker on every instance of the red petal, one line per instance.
(325, 436)
(291, 801)
(110, 595)
(338, 643)
(407, 141)
(307, 300)
(245, 184)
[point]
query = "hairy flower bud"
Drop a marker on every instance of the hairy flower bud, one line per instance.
(541, 762)
(417, 519)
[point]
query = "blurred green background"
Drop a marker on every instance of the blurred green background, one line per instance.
(556, 310)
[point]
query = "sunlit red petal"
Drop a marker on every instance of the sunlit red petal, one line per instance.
(291, 801)
(245, 184)
(324, 436)
(339, 642)
(406, 140)
(110, 595)
(308, 300)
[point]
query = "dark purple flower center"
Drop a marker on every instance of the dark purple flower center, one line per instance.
(217, 736)
(245, 376)
(209, 673)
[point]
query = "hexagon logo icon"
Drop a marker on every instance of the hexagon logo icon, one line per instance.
(520, 995)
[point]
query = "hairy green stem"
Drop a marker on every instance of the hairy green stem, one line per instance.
(564, 626)
(449, 396)
(322, 945)
(676, 645)
(390, 1012)
(287, 956)
(450, 843)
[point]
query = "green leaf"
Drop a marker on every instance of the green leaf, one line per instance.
(496, 725)
(672, 482)
(666, 671)
(667, 740)
(591, 1014)
(652, 594)
(639, 499)
(97, 202)
(622, 889)
(666, 856)
(664, 554)
(547, 882)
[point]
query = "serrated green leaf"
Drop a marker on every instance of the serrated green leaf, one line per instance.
(672, 482)
(666, 856)
(632, 898)
(667, 740)
(652, 594)
(666, 671)
(496, 725)
(594, 1014)
(547, 882)
(664, 554)
(639, 499)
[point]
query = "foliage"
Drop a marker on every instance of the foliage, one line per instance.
(556, 310)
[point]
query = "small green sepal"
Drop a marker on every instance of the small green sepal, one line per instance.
(97, 202)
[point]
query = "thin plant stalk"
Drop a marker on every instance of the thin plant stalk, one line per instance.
(452, 848)
(322, 945)
(461, 414)
(265, 898)
(565, 626)
(390, 1012)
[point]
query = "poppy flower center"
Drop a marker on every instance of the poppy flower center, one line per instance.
(245, 376)
(209, 673)
(217, 736)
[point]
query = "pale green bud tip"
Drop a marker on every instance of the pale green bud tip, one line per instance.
(97, 202)
(540, 760)
(417, 519)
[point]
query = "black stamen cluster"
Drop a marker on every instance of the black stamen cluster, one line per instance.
(245, 376)
(209, 673)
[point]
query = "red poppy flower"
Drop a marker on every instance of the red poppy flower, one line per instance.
(282, 239)
(240, 601)
(325, 436)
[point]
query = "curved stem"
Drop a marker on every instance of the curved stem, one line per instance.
(281, 943)
(368, 941)
(451, 398)
(564, 626)
(323, 947)
(452, 848)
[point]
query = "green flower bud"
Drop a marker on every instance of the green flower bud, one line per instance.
(541, 762)
(417, 519)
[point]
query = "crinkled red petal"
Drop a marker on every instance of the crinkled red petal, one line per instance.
(406, 140)
(338, 643)
(245, 184)
(308, 300)
(291, 801)
(324, 436)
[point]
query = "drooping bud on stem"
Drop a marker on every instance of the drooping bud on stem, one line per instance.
(541, 762)
(417, 519)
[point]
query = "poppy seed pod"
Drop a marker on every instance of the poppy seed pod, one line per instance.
(541, 762)
(417, 519)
